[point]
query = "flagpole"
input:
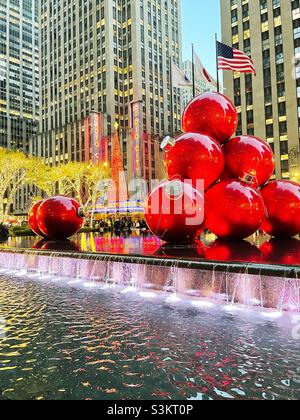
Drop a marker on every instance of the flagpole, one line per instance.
(217, 63)
(172, 96)
(193, 71)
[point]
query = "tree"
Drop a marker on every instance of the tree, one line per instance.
(63, 179)
(119, 190)
(44, 177)
(95, 184)
(84, 181)
(71, 179)
(16, 170)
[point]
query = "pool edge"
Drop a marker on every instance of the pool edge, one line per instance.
(279, 271)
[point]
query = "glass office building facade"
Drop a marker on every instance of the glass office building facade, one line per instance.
(268, 104)
(102, 56)
(19, 73)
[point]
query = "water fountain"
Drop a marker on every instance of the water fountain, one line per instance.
(232, 200)
(203, 282)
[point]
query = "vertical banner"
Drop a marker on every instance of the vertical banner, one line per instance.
(78, 142)
(136, 139)
(102, 140)
(96, 138)
(87, 138)
(145, 145)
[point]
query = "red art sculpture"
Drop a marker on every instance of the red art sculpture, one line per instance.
(233, 210)
(282, 201)
(32, 219)
(175, 212)
(248, 155)
(195, 157)
(59, 217)
(213, 114)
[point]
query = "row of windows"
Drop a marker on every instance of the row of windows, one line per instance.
(271, 25)
(19, 73)
(89, 90)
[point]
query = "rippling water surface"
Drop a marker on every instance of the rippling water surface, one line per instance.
(64, 343)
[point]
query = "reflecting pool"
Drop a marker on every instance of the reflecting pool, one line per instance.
(59, 342)
(258, 249)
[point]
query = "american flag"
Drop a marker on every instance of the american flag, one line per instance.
(232, 59)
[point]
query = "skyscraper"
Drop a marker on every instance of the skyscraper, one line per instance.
(106, 64)
(269, 104)
(19, 73)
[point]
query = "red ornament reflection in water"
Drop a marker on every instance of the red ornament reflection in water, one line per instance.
(194, 251)
(281, 251)
(60, 246)
(236, 251)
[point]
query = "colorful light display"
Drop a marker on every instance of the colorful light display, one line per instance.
(87, 139)
(96, 147)
(136, 139)
(98, 155)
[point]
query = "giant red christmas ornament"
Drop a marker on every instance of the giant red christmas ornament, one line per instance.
(195, 157)
(248, 155)
(213, 114)
(233, 210)
(281, 251)
(175, 212)
(282, 201)
(59, 217)
(32, 219)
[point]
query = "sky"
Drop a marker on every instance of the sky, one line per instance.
(201, 20)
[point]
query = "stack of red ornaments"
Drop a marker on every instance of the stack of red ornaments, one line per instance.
(234, 173)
